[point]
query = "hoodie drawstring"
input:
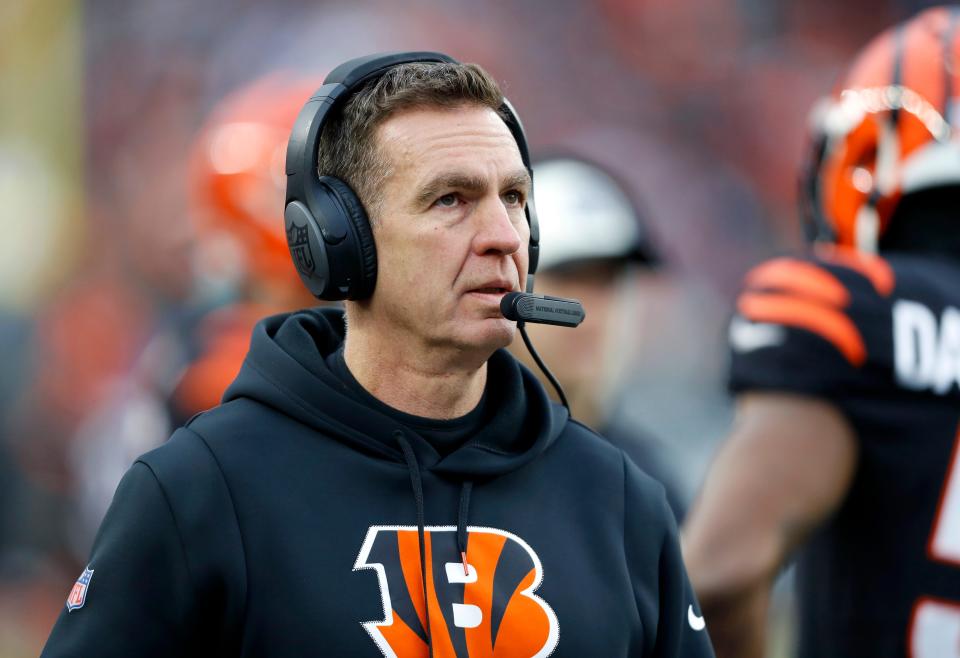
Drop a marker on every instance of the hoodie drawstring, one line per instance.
(462, 523)
(414, 468)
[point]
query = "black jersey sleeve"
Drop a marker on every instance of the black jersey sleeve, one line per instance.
(665, 600)
(139, 597)
(167, 569)
(808, 326)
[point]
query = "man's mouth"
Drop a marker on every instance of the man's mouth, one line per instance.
(492, 291)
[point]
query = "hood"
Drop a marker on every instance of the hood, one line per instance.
(286, 369)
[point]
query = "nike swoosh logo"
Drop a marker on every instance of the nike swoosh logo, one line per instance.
(696, 622)
(746, 336)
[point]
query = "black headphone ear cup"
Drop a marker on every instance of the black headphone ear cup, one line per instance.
(365, 244)
(308, 249)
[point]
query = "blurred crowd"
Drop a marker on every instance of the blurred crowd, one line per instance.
(141, 238)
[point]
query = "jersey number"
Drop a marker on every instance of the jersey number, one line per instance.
(935, 623)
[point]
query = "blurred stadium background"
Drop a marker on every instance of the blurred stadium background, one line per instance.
(699, 105)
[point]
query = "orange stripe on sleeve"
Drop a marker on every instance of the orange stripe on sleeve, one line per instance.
(875, 268)
(805, 279)
(830, 324)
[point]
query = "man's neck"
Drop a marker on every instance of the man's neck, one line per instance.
(425, 382)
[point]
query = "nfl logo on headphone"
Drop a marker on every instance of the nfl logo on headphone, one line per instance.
(298, 240)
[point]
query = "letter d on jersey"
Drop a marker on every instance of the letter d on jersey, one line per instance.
(491, 610)
(926, 352)
(915, 344)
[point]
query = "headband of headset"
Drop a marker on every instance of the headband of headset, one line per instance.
(309, 195)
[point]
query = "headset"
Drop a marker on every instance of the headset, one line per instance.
(328, 231)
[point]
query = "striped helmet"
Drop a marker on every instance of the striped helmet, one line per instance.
(886, 131)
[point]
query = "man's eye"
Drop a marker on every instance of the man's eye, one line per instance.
(513, 197)
(447, 201)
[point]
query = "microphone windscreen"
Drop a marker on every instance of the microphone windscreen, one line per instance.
(542, 309)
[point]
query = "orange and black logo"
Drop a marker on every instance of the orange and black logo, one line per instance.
(485, 608)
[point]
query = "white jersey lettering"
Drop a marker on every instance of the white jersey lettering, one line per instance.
(926, 352)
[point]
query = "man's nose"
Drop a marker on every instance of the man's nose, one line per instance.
(498, 231)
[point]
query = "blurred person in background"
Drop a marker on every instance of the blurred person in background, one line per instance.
(85, 333)
(846, 368)
(596, 248)
(241, 273)
(242, 262)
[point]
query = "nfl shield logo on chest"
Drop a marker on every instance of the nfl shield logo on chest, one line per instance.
(78, 595)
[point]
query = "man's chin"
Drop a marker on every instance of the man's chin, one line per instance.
(487, 335)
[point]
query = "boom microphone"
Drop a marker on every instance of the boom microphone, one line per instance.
(542, 309)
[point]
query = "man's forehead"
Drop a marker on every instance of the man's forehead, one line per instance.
(471, 138)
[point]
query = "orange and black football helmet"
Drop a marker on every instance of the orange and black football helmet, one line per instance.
(886, 131)
(238, 180)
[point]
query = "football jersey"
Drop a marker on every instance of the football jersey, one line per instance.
(880, 339)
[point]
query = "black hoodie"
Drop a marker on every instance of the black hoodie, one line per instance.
(291, 521)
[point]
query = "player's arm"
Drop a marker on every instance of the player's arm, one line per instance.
(785, 468)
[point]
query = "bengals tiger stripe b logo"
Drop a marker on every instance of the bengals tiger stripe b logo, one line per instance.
(490, 611)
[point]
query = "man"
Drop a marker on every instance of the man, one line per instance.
(403, 488)
(595, 248)
(846, 368)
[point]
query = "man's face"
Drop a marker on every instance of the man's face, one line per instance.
(450, 229)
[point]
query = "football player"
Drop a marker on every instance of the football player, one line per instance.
(846, 365)
(237, 180)
(243, 272)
